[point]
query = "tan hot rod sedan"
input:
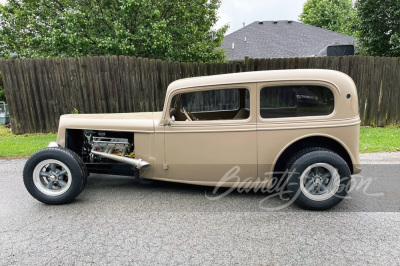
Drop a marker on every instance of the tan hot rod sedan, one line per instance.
(298, 125)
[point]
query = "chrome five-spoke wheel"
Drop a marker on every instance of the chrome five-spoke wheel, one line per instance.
(319, 181)
(52, 177)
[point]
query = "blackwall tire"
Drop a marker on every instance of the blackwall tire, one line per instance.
(319, 180)
(55, 175)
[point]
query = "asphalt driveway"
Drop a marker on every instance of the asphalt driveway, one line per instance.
(120, 222)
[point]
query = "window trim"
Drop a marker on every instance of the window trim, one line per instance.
(250, 87)
(322, 83)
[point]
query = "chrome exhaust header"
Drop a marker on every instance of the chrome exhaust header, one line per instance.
(138, 163)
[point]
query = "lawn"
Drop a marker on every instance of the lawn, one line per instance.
(379, 139)
(371, 140)
(22, 145)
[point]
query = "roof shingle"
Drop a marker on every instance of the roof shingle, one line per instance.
(278, 39)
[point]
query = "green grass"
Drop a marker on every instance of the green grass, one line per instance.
(377, 139)
(22, 145)
(371, 140)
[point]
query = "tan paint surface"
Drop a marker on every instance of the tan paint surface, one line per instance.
(201, 152)
(135, 122)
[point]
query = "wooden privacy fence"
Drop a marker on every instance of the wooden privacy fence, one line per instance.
(38, 91)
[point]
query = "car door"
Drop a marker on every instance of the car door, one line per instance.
(222, 144)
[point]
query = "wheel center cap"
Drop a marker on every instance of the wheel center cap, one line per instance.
(52, 177)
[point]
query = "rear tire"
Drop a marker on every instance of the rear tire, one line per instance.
(319, 179)
(55, 175)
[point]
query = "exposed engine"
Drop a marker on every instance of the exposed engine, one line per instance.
(105, 151)
(113, 143)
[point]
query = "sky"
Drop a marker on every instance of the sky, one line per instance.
(235, 12)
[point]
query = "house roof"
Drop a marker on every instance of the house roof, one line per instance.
(282, 38)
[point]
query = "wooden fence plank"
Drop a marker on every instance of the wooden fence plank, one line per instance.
(47, 115)
(395, 105)
(28, 94)
(117, 94)
(87, 85)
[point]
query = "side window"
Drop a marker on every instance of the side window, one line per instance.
(221, 104)
(295, 101)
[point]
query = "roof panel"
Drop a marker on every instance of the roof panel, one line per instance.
(283, 39)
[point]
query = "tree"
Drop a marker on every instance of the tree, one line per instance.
(334, 15)
(178, 30)
(379, 27)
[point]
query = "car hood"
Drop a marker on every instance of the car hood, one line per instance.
(116, 122)
(133, 122)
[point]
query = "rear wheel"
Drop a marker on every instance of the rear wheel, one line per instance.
(319, 179)
(55, 175)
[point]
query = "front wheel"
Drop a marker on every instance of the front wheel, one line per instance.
(318, 179)
(55, 175)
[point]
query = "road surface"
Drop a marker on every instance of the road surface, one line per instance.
(117, 221)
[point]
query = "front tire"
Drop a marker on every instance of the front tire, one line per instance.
(319, 179)
(55, 175)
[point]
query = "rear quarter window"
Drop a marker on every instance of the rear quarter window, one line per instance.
(295, 101)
